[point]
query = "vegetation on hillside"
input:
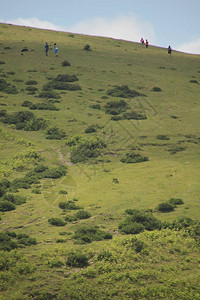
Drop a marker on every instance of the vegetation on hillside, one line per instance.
(99, 169)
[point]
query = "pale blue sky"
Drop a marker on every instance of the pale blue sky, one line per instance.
(162, 22)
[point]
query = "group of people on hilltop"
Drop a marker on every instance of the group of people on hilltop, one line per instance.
(55, 49)
(146, 42)
(147, 45)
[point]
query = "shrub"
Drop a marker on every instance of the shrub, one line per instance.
(95, 106)
(133, 158)
(16, 199)
(87, 234)
(156, 89)
(162, 137)
(87, 48)
(56, 222)
(31, 89)
(43, 106)
(49, 95)
(2, 62)
(65, 63)
(85, 149)
(77, 259)
(123, 92)
(193, 81)
(55, 133)
(31, 82)
(70, 205)
(165, 207)
(5, 183)
(63, 192)
(116, 107)
(18, 117)
(65, 78)
(139, 221)
(133, 115)
(175, 201)
(27, 103)
(105, 255)
(55, 172)
(82, 214)
(35, 124)
(6, 244)
(2, 191)
(90, 129)
(6, 206)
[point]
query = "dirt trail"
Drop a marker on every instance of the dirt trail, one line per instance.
(62, 159)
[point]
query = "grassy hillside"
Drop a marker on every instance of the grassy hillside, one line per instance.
(91, 143)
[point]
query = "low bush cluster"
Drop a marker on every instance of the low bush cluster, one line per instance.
(170, 205)
(7, 88)
(24, 120)
(38, 173)
(77, 259)
(123, 92)
(40, 106)
(69, 205)
(11, 240)
(87, 234)
(54, 133)
(138, 221)
(116, 107)
(83, 149)
(62, 82)
(133, 158)
(56, 222)
(80, 215)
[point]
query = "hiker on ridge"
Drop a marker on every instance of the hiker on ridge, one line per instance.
(147, 44)
(46, 48)
(142, 41)
(55, 49)
(169, 50)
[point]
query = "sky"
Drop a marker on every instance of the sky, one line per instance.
(162, 22)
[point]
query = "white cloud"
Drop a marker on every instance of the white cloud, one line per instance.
(191, 47)
(34, 22)
(124, 27)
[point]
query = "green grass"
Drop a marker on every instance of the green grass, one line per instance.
(167, 265)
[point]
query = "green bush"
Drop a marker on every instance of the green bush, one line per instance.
(48, 94)
(95, 106)
(7, 87)
(31, 82)
(123, 92)
(6, 244)
(133, 115)
(82, 214)
(66, 78)
(77, 259)
(91, 129)
(156, 89)
(55, 172)
(85, 149)
(105, 255)
(26, 103)
(55, 133)
(162, 137)
(31, 89)
(70, 205)
(87, 48)
(175, 201)
(16, 199)
(87, 234)
(43, 106)
(138, 221)
(116, 107)
(56, 222)
(133, 158)
(6, 206)
(65, 63)
(165, 207)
